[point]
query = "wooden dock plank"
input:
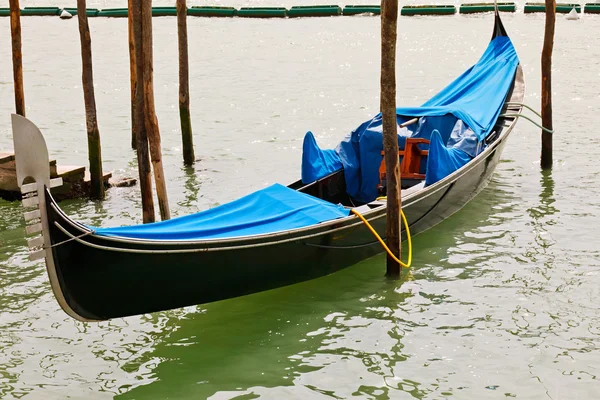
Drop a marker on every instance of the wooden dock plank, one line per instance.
(69, 171)
(76, 179)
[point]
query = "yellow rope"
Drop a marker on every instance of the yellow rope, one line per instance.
(409, 262)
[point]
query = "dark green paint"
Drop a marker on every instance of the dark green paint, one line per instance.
(208, 11)
(314, 11)
(362, 9)
(262, 12)
(563, 8)
(428, 10)
(472, 8)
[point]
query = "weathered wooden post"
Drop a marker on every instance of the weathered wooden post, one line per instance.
(139, 116)
(546, 157)
(184, 85)
(146, 80)
(91, 122)
(132, 71)
(17, 56)
(389, 20)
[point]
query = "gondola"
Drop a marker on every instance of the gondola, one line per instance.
(280, 235)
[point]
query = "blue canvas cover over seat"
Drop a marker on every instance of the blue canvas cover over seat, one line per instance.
(447, 159)
(317, 163)
(463, 114)
(477, 96)
(273, 209)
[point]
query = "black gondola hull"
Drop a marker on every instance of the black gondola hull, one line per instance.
(97, 278)
(102, 278)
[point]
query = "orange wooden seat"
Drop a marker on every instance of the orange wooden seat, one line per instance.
(411, 161)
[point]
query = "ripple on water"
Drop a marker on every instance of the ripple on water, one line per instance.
(502, 301)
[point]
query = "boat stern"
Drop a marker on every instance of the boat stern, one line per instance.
(33, 177)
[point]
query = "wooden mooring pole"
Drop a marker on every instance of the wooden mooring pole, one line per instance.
(184, 85)
(91, 122)
(546, 156)
(139, 116)
(132, 70)
(146, 80)
(17, 56)
(389, 20)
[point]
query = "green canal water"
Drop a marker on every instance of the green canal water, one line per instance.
(503, 300)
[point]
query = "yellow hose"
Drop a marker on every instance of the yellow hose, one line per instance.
(409, 262)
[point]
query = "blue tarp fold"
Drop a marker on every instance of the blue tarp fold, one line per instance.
(443, 161)
(317, 163)
(273, 209)
(477, 96)
(463, 114)
(456, 121)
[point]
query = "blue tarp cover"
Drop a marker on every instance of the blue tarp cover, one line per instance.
(447, 160)
(317, 163)
(273, 209)
(475, 98)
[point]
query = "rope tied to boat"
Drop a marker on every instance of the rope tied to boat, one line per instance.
(387, 249)
(526, 117)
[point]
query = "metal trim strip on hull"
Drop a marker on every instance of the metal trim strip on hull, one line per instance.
(358, 223)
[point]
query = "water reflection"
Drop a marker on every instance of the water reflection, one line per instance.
(108, 357)
(540, 213)
(73, 356)
(459, 247)
(342, 335)
(541, 217)
(192, 188)
(265, 340)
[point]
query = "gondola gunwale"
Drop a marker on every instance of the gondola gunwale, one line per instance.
(299, 233)
(328, 226)
(282, 236)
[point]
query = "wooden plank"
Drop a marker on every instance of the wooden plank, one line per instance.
(56, 182)
(37, 255)
(35, 242)
(8, 157)
(29, 229)
(31, 215)
(31, 201)
(70, 172)
(69, 169)
(29, 187)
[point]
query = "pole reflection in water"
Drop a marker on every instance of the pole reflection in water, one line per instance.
(353, 325)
